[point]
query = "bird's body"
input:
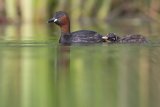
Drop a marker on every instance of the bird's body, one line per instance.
(81, 36)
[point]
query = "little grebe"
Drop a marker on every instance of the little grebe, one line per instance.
(132, 38)
(83, 36)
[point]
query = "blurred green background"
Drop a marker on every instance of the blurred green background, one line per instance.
(35, 71)
(119, 16)
(39, 10)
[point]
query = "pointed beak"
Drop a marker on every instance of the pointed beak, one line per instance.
(52, 20)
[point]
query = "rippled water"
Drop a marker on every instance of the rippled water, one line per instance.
(38, 72)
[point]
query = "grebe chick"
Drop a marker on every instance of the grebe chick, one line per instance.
(132, 38)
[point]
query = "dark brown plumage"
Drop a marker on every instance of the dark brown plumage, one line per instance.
(67, 37)
(132, 38)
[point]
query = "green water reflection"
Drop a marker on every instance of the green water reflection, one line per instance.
(35, 71)
(79, 76)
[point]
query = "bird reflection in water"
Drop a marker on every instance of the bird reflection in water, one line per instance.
(63, 58)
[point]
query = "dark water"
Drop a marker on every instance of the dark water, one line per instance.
(41, 73)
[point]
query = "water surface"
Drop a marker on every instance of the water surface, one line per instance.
(35, 71)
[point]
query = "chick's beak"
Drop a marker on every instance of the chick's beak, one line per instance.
(52, 20)
(105, 37)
